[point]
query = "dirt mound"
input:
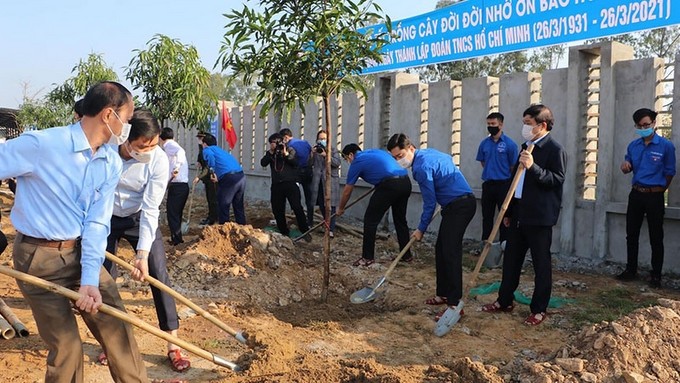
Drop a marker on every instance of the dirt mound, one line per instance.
(640, 347)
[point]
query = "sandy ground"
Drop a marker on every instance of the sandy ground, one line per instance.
(270, 287)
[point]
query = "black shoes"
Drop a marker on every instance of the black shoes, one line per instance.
(655, 281)
(206, 221)
(627, 275)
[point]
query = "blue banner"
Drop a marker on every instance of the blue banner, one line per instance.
(483, 27)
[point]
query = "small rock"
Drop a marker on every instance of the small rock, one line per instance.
(283, 301)
(186, 313)
(589, 377)
(645, 330)
(570, 364)
(599, 342)
(618, 329)
(632, 377)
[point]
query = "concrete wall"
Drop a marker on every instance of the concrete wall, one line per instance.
(592, 101)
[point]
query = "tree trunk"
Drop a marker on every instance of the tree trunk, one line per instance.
(330, 142)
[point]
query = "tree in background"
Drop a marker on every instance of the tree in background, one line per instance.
(496, 65)
(300, 50)
(87, 73)
(174, 83)
(56, 108)
(232, 89)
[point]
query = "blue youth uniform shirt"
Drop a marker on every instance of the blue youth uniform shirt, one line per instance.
(373, 165)
(221, 161)
(652, 162)
(302, 151)
(499, 157)
(440, 182)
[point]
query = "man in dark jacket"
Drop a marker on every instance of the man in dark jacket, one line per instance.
(283, 163)
(532, 214)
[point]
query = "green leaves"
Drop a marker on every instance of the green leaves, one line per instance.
(87, 73)
(175, 84)
(300, 49)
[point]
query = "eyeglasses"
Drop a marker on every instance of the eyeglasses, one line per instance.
(644, 126)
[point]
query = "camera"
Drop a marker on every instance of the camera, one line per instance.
(319, 148)
(279, 147)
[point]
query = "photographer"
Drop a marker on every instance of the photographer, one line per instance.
(319, 176)
(281, 159)
(303, 155)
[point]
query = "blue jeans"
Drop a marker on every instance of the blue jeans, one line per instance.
(230, 191)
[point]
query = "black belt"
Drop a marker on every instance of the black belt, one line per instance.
(391, 178)
(494, 182)
(460, 198)
(65, 244)
(649, 189)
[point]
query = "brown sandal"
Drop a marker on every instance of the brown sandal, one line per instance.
(535, 319)
(439, 315)
(363, 262)
(436, 301)
(178, 362)
(496, 308)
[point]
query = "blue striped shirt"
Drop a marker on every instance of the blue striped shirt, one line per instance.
(64, 191)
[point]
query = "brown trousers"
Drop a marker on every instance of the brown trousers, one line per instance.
(57, 323)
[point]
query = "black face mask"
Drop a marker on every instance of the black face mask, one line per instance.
(493, 130)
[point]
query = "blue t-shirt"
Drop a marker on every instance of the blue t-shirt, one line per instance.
(221, 161)
(373, 165)
(652, 162)
(302, 151)
(440, 182)
(499, 157)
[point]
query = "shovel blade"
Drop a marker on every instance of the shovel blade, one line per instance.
(185, 227)
(448, 320)
(366, 294)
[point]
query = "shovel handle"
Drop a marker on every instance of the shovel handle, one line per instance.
(125, 317)
(371, 190)
(497, 223)
(240, 336)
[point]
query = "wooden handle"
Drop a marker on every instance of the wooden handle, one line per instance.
(497, 224)
(116, 313)
(241, 337)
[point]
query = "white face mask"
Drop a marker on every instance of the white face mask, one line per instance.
(404, 162)
(527, 132)
(124, 133)
(143, 157)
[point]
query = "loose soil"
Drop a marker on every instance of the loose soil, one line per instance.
(266, 285)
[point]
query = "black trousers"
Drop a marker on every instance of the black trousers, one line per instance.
(178, 192)
(306, 183)
(211, 197)
(641, 205)
(520, 239)
(128, 228)
(3, 242)
(231, 189)
(280, 192)
(493, 195)
(390, 193)
(456, 217)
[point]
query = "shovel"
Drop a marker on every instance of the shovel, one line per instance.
(324, 221)
(125, 317)
(240, 336)
(367, 294)
(452, 316)
(185, 224)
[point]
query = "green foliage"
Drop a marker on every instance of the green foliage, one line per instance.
(87, 73)
(661, 42)
(44, 113)
(232, 89)
(297, 50)
(496, 65)
(608, 306)
(175, 84)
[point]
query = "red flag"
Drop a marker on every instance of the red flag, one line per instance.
(228, 127)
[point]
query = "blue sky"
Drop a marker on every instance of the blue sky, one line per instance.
(42, 40)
